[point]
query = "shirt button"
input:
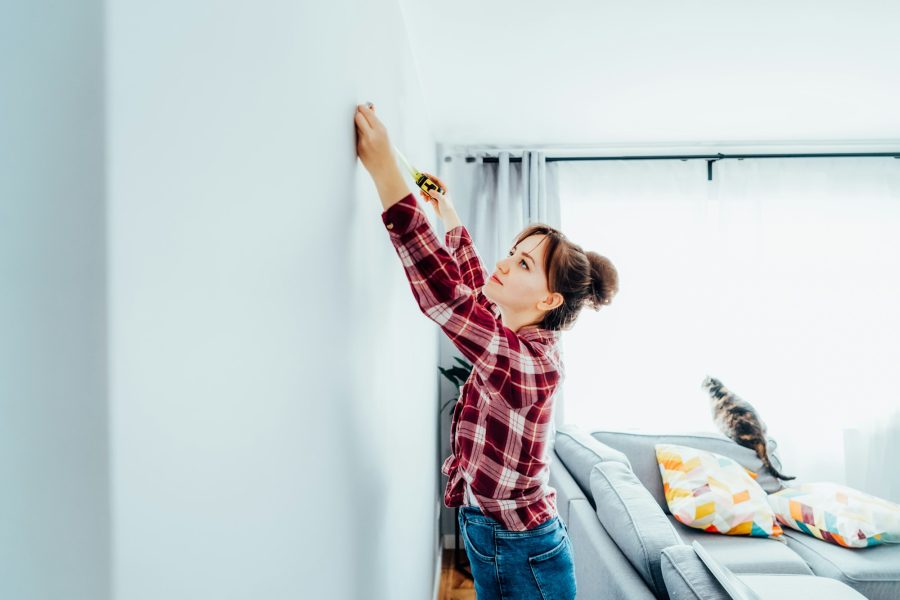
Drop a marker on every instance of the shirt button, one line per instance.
(390, 225)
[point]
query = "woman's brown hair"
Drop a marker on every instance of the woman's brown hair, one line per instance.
(584, 279)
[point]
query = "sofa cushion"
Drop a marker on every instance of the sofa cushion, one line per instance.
(746, 554)
(633, 520)
(687, 578)
(838, 514)
(708, 491)
(874, 572)
(790, 587)
(640, 450)
(580, 451)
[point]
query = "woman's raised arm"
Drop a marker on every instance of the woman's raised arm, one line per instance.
(373, 146)
(516, 370)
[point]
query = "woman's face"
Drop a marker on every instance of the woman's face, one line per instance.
(522, 285)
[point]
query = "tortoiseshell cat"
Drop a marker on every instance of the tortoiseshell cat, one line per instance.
(737, 419)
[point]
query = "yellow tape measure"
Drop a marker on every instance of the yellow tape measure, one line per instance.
(422, 180)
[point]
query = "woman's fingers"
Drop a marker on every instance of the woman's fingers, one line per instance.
(369, 113)
(366, 114)
(361, 122)
(433, 195)
(437, 181)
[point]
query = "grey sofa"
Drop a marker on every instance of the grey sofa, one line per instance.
(627, 546)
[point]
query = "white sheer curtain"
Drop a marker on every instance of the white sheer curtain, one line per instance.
(781, 278)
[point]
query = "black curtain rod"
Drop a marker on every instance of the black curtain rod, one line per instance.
(709, 158)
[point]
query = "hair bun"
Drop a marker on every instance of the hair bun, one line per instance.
(604, 281)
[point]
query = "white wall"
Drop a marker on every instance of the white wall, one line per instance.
(271, 385)
(54, 504)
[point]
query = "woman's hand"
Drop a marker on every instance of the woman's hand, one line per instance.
(372, 143)
(377, 156)
(441, 203)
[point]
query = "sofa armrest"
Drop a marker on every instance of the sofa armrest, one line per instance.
(566, 487)
(601, 570)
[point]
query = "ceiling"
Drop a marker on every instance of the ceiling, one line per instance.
(589, 74)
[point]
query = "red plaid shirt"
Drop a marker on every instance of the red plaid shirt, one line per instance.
(501, 429)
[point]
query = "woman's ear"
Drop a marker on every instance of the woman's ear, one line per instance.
(551, 301)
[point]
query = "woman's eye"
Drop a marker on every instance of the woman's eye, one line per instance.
(521, 262)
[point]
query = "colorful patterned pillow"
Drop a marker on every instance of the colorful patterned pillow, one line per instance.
(714, 493)
(838, 514)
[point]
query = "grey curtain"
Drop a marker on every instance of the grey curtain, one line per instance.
(502, 198)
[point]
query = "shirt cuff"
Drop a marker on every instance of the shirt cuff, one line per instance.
(457, 235)
(404, 216)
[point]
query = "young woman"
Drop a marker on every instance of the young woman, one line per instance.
(508, 327)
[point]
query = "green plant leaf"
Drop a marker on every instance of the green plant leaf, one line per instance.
(457, 376)
(463, 363)
(450, 374)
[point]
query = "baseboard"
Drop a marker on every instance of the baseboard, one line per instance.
(439, 553)
(437, 572)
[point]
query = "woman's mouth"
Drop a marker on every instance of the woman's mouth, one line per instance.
(494, 277)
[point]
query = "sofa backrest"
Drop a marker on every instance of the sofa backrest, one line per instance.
(579, 452)
(639, 448)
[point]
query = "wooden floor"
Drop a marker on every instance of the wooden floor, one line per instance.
(454, 585)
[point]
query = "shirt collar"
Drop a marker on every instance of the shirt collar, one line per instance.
(539, 334)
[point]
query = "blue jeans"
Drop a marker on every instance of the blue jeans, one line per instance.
(518, 565)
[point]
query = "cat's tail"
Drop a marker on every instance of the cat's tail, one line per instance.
(763, 455)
